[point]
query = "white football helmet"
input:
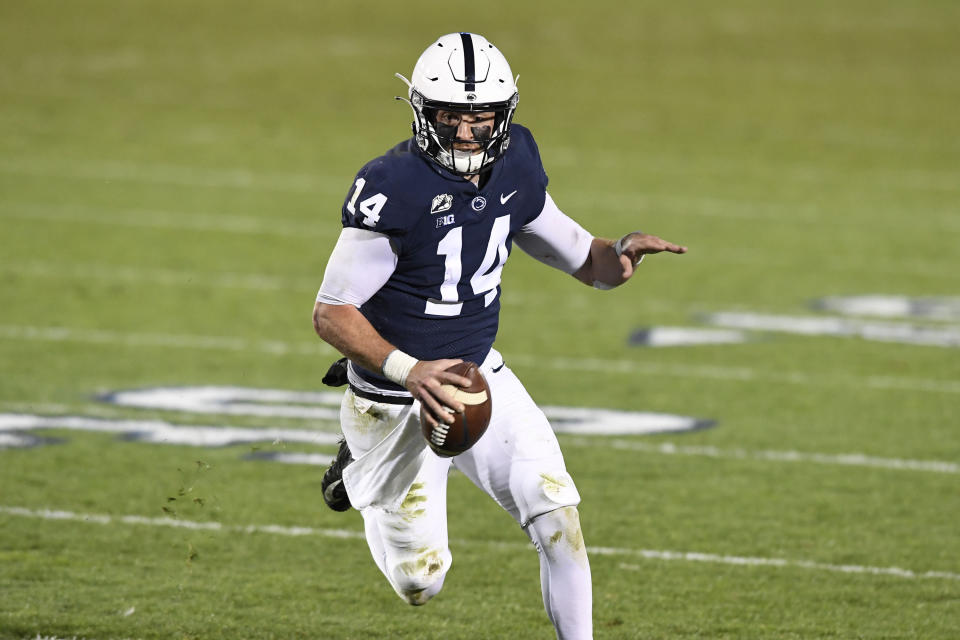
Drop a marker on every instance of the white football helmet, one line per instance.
(462, 73)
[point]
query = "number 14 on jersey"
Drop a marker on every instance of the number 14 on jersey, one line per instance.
(485, 279)
(370, 207)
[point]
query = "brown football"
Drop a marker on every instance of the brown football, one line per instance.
(448, 440)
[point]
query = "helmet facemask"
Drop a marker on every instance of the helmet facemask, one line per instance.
(437, 138)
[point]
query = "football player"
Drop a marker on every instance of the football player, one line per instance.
(413, 287)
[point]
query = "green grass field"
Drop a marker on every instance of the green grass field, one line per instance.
(171, 176)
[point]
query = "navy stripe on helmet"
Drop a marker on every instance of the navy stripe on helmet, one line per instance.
(468, 63)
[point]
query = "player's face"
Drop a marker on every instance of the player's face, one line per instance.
(466, 127)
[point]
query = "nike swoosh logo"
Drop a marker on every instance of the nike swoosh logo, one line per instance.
(504, 198)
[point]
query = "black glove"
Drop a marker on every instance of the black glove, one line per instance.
(336, 374)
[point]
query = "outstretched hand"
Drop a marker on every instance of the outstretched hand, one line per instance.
(637, 244)
(425, 383)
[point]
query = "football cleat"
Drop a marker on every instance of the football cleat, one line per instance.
(334, 493)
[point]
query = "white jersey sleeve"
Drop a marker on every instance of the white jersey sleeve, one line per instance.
(555, 239)
(360, 264)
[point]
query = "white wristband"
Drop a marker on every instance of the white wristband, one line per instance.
(397, 366)
(619, 248)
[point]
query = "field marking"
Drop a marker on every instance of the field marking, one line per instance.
(181, 175)
(347, 534)
(783, 563)
(161, 276)
(599, 365)
(842, 459)
(87, 409)
(163, 432)
(659, 337)
(736, 374)
(764, 258)
(325, 405)
(48, 514)
(166, 340)
(836, 326)
(945, 309)
(159, 431)
(158, 219)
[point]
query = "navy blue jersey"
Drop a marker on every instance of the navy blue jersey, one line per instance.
(452, 240)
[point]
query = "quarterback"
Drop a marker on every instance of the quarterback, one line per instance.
(413, 287)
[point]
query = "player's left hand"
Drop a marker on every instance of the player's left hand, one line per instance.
(637, 244)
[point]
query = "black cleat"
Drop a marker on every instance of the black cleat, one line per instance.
(334, 493)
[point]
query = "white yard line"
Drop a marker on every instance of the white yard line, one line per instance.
(598, 365)
(169, 277)
(167, 340)
(842, 459)
(782, 563)
(181, 175)
(156, 219)
(647, 554)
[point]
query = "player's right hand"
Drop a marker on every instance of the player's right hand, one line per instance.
(425, 382)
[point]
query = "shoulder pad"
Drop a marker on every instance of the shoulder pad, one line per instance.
(380, 196)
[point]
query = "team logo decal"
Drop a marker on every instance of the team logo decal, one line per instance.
(479, 203)
(442, 202)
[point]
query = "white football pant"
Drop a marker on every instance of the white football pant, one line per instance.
(517, 462)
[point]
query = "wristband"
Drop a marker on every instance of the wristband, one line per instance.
(619, 248)
(397, 365)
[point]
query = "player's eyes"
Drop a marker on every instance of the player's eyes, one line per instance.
(449, 119)
(482, 119)
(453, 119)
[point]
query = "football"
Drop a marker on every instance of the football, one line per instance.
(448, 440)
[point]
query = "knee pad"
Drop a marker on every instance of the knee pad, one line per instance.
(546, 491)
(420, 578)
(558, 533)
